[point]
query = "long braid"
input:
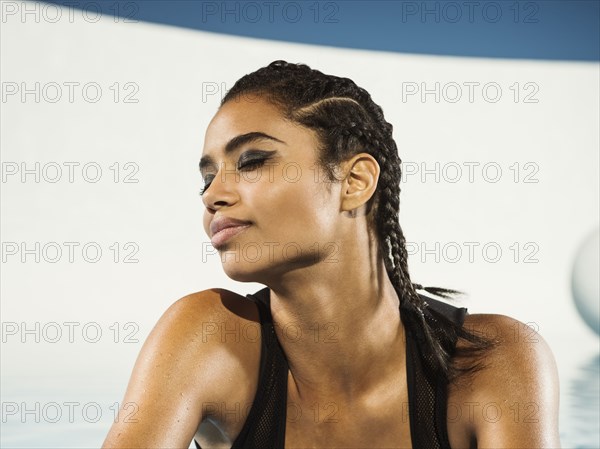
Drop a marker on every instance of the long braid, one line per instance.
(389, 226)
(347, 122)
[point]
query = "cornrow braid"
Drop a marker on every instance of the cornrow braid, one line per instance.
(347, 122)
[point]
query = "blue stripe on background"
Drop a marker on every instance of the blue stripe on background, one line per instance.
(544, 29)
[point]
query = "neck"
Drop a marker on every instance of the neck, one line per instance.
(339, 325)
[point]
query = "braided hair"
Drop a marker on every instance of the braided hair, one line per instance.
(348, 122)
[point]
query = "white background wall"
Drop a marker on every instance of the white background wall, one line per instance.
(161, 135)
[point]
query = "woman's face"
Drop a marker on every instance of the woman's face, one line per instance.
(262, 169)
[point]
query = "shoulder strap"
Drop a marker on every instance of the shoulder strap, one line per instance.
(265, 424)
(453, 313)
(427, 393)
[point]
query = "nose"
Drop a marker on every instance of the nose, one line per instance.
(222, 190)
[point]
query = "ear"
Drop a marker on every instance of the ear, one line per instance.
(359, 185)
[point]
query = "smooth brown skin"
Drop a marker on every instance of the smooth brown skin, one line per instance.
(347, 379)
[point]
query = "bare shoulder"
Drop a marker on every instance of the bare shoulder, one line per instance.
(204, 324)
(517, 390)
(517, 344)
(196, 355)
(208, 307)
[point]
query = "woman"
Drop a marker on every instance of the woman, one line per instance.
(339, 350)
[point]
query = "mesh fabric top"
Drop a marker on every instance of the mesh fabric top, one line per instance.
(427, 395)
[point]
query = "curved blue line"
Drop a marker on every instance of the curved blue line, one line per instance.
(543, 29)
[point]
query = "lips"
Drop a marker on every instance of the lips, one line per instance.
(223, 228)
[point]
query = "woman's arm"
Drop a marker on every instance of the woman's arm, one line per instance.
(176, 371)
(515, 398)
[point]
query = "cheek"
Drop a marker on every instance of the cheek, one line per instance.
(294, 211)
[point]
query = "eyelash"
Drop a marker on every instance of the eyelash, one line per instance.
(252, 163)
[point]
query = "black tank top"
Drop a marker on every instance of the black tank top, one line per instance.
(427, 395)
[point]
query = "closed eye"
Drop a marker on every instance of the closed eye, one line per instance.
(251, 164)
(246, 165)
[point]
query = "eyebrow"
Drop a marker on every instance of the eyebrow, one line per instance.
(235, 143)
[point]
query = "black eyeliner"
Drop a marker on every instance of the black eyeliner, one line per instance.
(251, 155)
(248, 158)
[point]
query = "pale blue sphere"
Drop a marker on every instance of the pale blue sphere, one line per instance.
(585, 280)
